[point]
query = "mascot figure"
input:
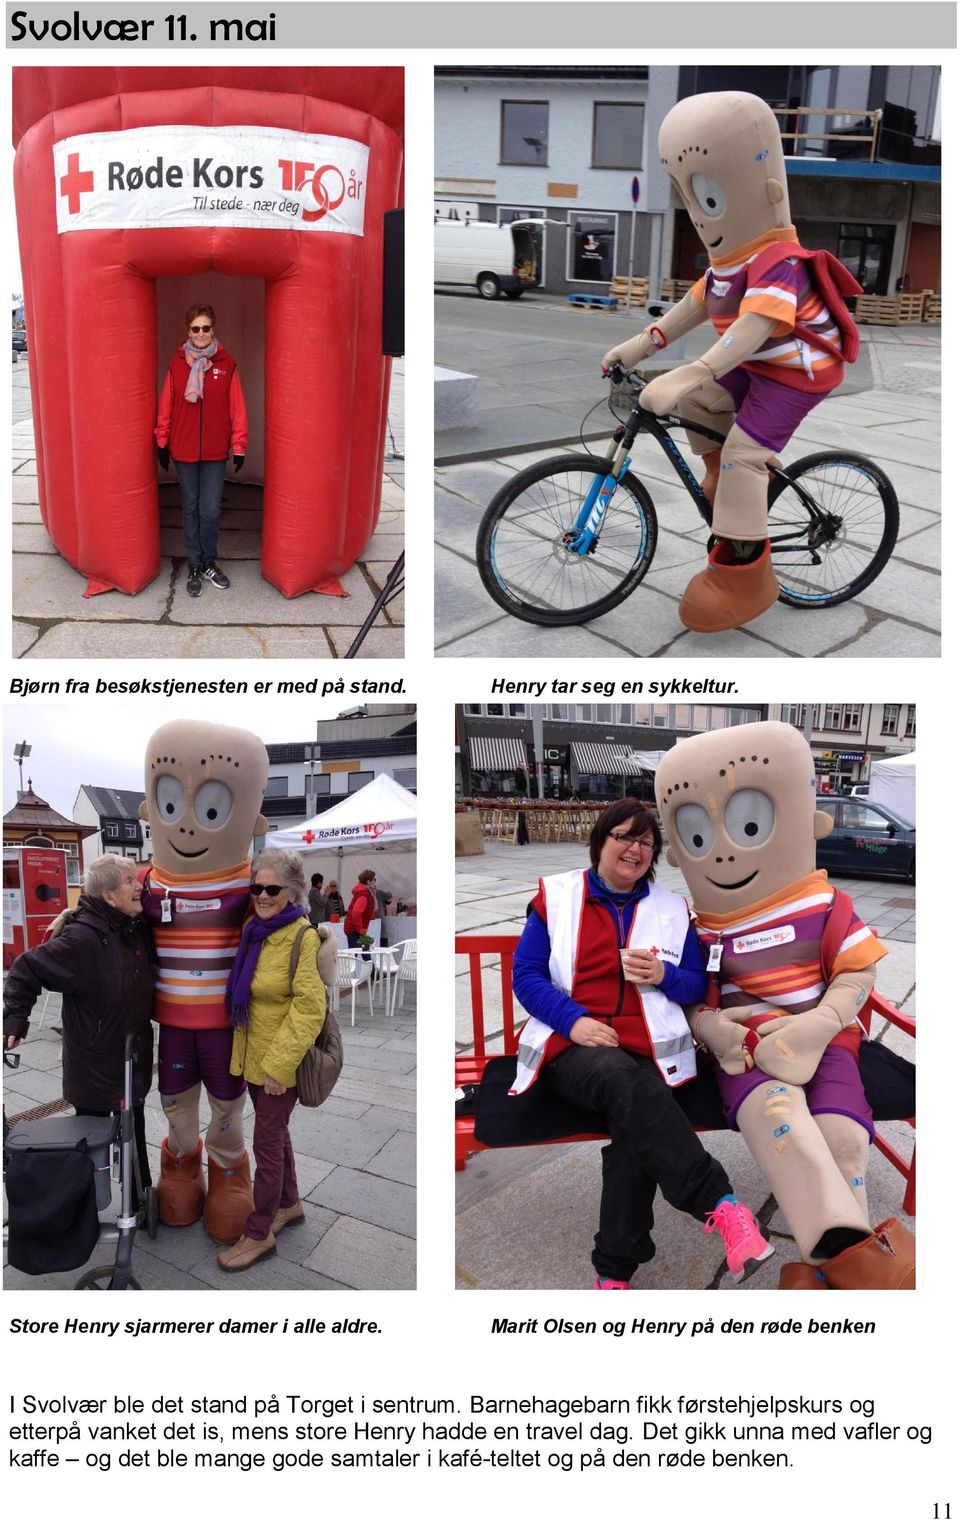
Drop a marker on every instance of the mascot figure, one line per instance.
(783, 335)
(792, 965)
(204, 785)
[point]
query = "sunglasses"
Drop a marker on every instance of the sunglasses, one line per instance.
(272, 891)
(208, 328)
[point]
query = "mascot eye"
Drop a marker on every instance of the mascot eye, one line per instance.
(749, 817)
(694, 827)
(710, 196)
(170, 798)
(212, 804)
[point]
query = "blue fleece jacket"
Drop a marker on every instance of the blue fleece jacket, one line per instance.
(684, 984)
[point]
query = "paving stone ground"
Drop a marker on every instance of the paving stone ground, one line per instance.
(53, 620)
(534, 389)
(558, 1186)
(355, 1158)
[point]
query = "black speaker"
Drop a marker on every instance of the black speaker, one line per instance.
(393, 283)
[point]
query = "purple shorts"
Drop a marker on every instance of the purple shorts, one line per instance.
(189, 1056)
(834, 1088)
(767, 411)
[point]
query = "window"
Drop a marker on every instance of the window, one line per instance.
(111, 831)
(701, 719)
(557, 711)
(517, 709)
(319, 786)
(604, 712)
(524, 131)
(790, 713)
(277, 786)
(643, 714)
(891, 718)
(407, 778)
(592, 246)
(626, 713)
(357, 780)
(661, 716)
(495, 709)
(910, 728)
(472, 709)
(73, 864)
(584, 712)
(859, 816)
(682, 717)
(617, 136)
(130, 831)
(852, 716)
(832, 715)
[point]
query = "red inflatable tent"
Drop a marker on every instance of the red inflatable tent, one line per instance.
(140, 190)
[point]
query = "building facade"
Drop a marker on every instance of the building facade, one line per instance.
(591, 750)
(34, 822)
(115, 816)
(571, 144)
(305, 779)
(846, 736)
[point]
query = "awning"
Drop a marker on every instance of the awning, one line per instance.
(607, 760)
(496, 754)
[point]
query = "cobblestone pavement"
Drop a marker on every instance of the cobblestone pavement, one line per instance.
(252, 620)
(355, 1158)
(558, 1186)
(894, 419)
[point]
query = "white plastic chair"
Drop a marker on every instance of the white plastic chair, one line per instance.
(406, 970)
(353, 972)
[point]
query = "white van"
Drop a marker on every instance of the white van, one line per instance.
(492, 258)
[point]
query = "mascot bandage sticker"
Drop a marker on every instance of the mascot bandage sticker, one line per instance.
(204, 785)
(783, 334)
(793, 965)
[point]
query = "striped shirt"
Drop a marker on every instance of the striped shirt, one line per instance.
(195, 949)
(785, 294)
(771, 953)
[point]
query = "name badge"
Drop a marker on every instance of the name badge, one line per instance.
(764, 939)
(166, 911)
(190, 905)
(715, 956)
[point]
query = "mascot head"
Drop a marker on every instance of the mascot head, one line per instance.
(739, 808)
(724, 155)
(204, 784)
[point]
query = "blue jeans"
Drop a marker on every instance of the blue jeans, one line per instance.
(201, 487)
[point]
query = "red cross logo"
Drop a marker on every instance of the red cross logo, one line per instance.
(308, 837)
(73, 182)
(654, 950)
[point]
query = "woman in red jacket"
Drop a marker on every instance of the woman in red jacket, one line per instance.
(202, 419)
(363, 907)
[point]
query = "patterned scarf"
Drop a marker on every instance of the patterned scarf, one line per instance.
(199, 360)
(255, 931)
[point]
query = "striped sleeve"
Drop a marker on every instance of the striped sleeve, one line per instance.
(860, 949)
(775, 295)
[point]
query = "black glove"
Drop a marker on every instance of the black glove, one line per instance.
(238, 463)
(163, 454)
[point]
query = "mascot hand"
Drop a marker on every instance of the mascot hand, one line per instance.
(629, 353)
(663, 394)
(724, 1039)
(793, 1048)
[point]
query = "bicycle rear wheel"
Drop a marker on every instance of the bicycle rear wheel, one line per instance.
(522, 544)
(833, 525)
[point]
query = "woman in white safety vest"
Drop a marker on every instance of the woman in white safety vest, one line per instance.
(606, 963)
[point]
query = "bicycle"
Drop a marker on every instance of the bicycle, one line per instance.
(570, 538)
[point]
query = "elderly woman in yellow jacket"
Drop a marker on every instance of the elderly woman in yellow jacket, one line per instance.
(276, 1019)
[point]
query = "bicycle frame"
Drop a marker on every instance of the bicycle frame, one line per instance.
(585, 531)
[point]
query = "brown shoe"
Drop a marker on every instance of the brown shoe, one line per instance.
(181, 1189)
(886, 1259)
(797, 1274)
(726, 594)
(246, 1253)
(229, 1200)
(292, 1215)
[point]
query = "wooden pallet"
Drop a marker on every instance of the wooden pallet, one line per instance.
(594, 303)
(675, 290)
(931, 307)
(620, 288)
(890, 311)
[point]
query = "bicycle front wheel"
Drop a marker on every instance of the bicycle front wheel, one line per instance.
(833, 525)
(523, 552)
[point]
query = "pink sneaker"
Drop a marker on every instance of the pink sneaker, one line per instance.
(746, 1247)
(610, 1282)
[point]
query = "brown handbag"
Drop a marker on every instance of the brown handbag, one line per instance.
(320, 1068)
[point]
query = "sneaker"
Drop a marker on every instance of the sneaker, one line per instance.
(610, 1282)
(292, 1214)
(194, 580)
(215, 576)
(246, 1253)
(746, 1247)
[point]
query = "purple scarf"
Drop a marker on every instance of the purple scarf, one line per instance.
(255, 931)
(199, 360)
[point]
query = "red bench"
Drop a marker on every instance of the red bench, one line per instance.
(470, 1068)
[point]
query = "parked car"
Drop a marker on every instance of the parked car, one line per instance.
(494, 259)
(866, 838)
(19, 340)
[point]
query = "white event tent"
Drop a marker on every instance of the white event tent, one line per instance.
(893, 783)
(378, 821)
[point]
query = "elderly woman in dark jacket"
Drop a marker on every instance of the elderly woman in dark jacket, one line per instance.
(100, 957)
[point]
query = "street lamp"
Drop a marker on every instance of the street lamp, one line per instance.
(21, 752)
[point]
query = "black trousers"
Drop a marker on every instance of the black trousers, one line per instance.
(139, 1142)
(651, 1145)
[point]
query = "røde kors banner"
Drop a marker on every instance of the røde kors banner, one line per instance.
(180, 176)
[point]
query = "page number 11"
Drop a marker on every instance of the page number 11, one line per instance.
(941, 1512)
